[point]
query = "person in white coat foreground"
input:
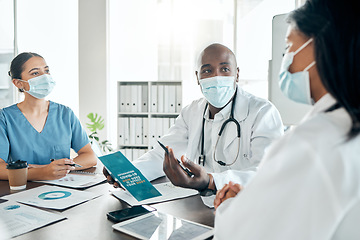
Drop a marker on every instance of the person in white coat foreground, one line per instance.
(308, 184)
(259, 124)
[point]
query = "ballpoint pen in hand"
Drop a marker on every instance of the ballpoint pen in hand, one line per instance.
(183, 168)
(69, 164)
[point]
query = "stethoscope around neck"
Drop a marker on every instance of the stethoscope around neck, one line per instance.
(230, 119)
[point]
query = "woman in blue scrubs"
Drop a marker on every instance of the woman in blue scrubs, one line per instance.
(37, 130)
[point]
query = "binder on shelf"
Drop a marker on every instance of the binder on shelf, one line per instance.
(135, 153)
(154, 103)
(144, 98)
(139, 98)
(159, 128)
(165, 126)
(166, 98)
(172, 99)
(134, 98)
(145, 124)
(178, 98)
(132, 130)
(127, 98)
(122, 98)
(121, 131)
(152, 131)
(128, 154)
(138, 131)
(126, 126)
(161, 102)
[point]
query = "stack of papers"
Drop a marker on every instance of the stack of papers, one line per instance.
(51, 197)
(167, 190)
(19, 219)
(78, 181)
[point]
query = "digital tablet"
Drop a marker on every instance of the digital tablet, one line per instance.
(162, 226)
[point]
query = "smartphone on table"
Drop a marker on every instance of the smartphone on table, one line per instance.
(127, 213)
(189, 173)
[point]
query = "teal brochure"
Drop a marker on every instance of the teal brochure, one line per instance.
(125, 173)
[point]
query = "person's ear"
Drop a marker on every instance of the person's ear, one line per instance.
(237, 74)
(17, 83)
(197, 77)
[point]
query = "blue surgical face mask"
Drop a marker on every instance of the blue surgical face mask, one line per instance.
(40, 86)
(218, 90)
(295, 86)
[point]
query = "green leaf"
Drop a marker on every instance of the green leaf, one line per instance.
(97, 123)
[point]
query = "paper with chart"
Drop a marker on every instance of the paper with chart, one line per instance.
(77, 180)
(20, 219)
(52, 197)
(167, 190)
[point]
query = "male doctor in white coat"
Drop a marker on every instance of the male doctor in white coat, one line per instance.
(234, 159)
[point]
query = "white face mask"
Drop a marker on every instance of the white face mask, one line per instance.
(40, 86)
(295, 86)
(218, 90)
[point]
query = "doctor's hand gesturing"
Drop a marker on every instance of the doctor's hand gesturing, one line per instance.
(179, 177)
(228, 191)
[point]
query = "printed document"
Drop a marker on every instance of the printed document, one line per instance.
(20, 219)
(167, 190)
(52, 197)
(77, 180)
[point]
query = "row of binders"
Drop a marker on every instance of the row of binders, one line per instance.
(142, 131)
(164, 98)
(133, 153)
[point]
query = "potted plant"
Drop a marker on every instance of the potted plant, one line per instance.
(96, 125)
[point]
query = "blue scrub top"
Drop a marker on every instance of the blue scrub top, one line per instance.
(61, 132)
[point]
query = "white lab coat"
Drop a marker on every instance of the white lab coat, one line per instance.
(260, 124)
(307, 186)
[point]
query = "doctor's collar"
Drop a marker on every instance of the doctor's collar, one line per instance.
(222, 114)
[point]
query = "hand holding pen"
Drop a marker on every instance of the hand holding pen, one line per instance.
(188, 172)
(178, 175)
(69, 164)
(57, 168)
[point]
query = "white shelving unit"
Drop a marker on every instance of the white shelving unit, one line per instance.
(146, 110)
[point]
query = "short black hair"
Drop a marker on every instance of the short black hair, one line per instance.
(335, 27)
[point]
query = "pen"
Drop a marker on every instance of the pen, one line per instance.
(72, 164)
(183, 168)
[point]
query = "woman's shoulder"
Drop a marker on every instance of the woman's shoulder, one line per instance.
(60, 107)
(323, 130)
(8, 110)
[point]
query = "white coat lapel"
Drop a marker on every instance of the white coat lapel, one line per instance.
(195, 127)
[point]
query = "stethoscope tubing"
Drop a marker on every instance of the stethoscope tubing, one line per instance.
(238, 128)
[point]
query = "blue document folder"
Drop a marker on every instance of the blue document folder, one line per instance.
(126, 174)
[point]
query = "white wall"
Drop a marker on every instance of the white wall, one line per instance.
(50, 29)
(93, 78)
